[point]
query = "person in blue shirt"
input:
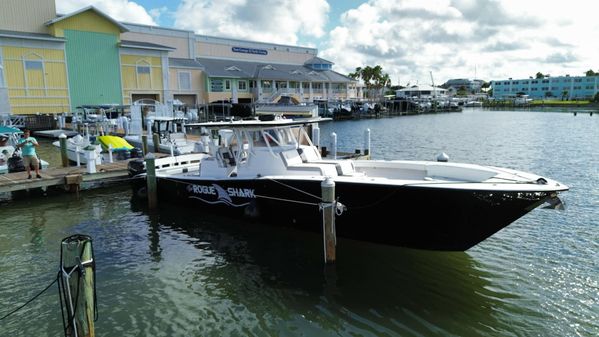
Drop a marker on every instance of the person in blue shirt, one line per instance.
(27, 144)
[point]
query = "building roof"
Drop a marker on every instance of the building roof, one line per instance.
(184, 63)
(144, 45)
(85, 9)
(422, 87)
(271, 71)
(30, 36)
(318, 60)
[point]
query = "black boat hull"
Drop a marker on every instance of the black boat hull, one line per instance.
(408, 216)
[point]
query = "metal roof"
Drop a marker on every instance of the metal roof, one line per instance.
(85, 9)
(30, 36)
(268, 71)
(144, 45)
(184, 63)
(318, 60)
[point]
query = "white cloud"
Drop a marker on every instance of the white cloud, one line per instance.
(278, 21)
(510, 38)
(120, 10)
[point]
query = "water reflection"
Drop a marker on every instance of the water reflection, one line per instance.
(277, 277)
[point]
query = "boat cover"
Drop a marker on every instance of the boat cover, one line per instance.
(118, 143)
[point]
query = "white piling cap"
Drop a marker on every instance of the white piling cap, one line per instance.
(443, 157)
(62, 136)
(328, 182)
(149, 156)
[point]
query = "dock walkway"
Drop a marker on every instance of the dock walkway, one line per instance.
(65, 176)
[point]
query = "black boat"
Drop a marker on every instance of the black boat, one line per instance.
(270, 170)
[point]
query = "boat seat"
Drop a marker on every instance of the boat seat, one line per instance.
(226, 157)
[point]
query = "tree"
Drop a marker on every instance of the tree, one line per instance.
(548, 94)
(596, 98)
(540, 75)
(373, 77)
(565, 94)
(590, 72)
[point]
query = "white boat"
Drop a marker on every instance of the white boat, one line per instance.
(105, 148)
(10, 156)
(473, 104)
(172, 136)
(273, 171)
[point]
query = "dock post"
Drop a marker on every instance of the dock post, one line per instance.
(63, 150)
(77, 285)
(328, 220)
(90, 157)
(144, 144)
(316, 135)
(110, 153)
(151, 180)
(334, 145)
(156, 142)
(77, 149)
(367, 142)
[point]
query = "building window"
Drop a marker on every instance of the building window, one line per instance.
(534, 82)
(216, 85)
(34, 65)
(524, 82)
(242, 85)
(143, 70)
(227, 85)
(185, 81)
(35, 79)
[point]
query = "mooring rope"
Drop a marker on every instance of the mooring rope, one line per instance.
(33, 298)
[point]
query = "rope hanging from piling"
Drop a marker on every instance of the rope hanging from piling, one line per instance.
(83, 259)
(31, 299)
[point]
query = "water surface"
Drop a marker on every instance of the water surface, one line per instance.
(179, 272)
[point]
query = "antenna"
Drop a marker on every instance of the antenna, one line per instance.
(433, 84)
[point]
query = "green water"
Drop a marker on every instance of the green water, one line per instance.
(179, 272)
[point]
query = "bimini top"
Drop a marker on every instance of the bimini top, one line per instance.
(9, 130)
(278, 122)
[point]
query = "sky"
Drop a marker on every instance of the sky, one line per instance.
(414, 41)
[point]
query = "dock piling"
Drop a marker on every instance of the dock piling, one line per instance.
(144, 144)
(90, 157)
(367, 142)
(156, 142)
(110, 160)
(77, 285)
(151, 180)
(78, 155)
(63, 150)
(334, 145)
(328, 220)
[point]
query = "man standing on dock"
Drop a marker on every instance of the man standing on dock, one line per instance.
(27, 145)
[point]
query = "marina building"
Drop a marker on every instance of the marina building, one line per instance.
(456, 84)
(53, 63)
(560, 87)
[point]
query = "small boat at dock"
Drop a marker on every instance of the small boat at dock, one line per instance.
(271, 170)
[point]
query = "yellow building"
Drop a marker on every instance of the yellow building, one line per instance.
(53, 63)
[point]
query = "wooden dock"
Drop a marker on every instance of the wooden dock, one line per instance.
(70, 177)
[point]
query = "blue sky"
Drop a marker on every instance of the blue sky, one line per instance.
(408, 38)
